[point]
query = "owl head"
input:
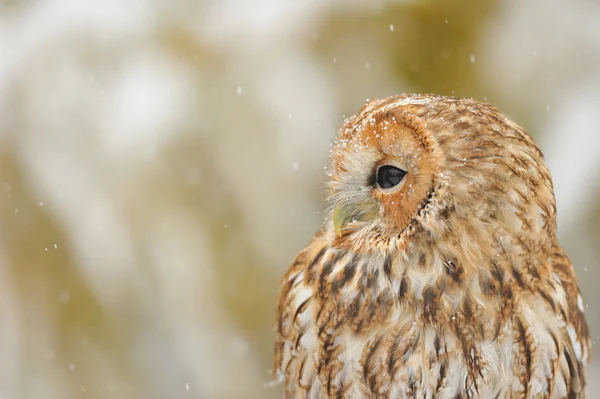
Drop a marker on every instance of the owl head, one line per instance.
(428, 169)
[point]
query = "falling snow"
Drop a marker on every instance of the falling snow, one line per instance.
(126, 235)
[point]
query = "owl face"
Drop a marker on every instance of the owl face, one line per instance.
(398, 160)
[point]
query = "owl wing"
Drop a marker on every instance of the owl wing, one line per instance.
(296, 334)
(577, 338)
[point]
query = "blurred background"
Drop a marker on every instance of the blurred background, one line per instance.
(162, 162)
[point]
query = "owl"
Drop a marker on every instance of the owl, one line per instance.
(437, 273)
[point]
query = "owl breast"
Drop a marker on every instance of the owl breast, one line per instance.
(355, 326)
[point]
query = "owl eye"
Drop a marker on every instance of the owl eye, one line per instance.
(388, 176)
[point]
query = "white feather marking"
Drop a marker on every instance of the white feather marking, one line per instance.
(580, 303)
(406, 101)
(575, 342)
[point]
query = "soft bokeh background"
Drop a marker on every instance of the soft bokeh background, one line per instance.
(162, 161)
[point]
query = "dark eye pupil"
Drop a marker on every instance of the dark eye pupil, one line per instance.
(388, 176)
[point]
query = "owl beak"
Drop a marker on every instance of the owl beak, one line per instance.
(344, 215)
(340, 218)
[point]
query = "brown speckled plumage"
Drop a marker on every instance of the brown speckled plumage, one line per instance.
(449, 285)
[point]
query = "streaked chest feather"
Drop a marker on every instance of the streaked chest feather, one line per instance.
(365, 326)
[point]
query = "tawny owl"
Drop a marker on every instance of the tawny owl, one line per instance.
(438, 273)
